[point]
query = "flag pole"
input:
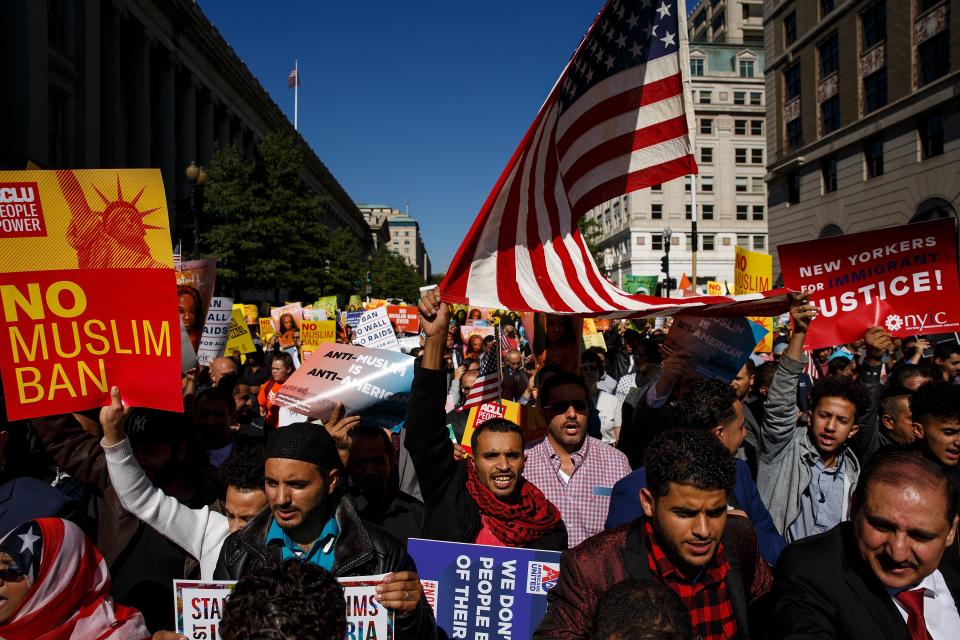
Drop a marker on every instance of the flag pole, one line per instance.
(296, 89)
(694, 241)
(496, 349)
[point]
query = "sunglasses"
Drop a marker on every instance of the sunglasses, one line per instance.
(11, 574)
(561, 406)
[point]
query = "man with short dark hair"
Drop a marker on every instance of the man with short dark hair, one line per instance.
(306, 520)
(292, 600)
(806, 476)
(884, 575)
(573, 469)
(946, 355)
(641, 610)
(484, 499)
(685, 539)
(935, 412)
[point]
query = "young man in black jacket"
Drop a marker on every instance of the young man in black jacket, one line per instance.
(484, 499)
(307, 520)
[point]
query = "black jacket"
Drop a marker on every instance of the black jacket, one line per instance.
(360, 550)
(823, 589)
(452, 514)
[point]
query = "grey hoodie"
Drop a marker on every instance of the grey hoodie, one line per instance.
(786, 455)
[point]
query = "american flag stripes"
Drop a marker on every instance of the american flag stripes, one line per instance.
(617, 120)
(293, 80)
(487, 385)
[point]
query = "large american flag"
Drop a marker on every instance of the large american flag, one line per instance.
(617, 120)
(487, 385)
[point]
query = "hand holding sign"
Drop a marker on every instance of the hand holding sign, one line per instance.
(111, 418)
(400, 591)
(341, 430)
(878, 342)
(801, 313)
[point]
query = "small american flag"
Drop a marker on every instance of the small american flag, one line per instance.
(487, 385)
(177, 258)
(618, 119)
(293, 80)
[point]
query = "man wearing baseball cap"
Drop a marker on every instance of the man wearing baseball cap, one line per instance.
(307, 520)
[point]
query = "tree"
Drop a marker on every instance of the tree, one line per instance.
(436, 278)
(344, 260)
(392, 277)
(592, 235)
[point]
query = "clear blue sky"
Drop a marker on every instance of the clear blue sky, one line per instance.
(421, 101)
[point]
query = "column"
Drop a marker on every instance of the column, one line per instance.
(138, 123)
(164, 140)
(205, 133)
(186, 130)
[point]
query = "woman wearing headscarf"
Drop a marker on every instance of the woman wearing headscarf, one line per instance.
(55, 585)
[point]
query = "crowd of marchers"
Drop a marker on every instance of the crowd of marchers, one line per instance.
(814, 495)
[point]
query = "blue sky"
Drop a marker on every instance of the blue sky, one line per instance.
(422, 101)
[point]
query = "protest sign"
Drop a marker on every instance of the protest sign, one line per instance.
(478, 591)
(239, 339)
(314, 314)
(903, 279)
(715, 288)
(354, 304)
(266, 329)
(329, 306)
(714, 347)
(198, 606)
(753, 273)
(409, 343)
(555, 340)
(196, 280)
(506, 409)
(286, 323)
(88, 289)
(472, 338)
(405, 317)
(646, 285)
(373, 330)
(188, 356)
(216, 330)
(250, 313)
(374, 381)
(592, 338)
(367, 619)
(314, 333)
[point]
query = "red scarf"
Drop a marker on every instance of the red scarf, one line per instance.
(515, 524)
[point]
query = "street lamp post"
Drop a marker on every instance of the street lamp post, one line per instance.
(197, 177)
(667, 233)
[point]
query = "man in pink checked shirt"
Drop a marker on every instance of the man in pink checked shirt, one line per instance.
(575, 471)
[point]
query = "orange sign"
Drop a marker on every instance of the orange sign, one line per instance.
(88, 291)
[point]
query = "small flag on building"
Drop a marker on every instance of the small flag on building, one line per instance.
(293, 80)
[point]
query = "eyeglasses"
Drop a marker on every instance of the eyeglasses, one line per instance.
(561, 406)
(11, 574)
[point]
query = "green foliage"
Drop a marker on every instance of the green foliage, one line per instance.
(590, 230)
(392, 277)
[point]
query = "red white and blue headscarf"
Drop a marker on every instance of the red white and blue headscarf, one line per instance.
(69, 596)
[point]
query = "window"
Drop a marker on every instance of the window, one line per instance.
(826, 6)
(931, 135)
(743, 241)
(657, 187)
(759, 243)
(873, 157)
(717, 22)
(758, 212)
(925, 5)
(741, 184)
(746, 68)
(706, 126)
(828, 172)
(688, 213)
(794, 133)
(873, 24)
(790, 28)
(706, 154)
(756, 127)
(793, 188)
(708, 212)
(656, 242)
(830, 114)
(756, 98)
(706, 97)
(686, 185)
(656, 212)
(57, 132)
(696, 66)
(756, 184)
(739, 97)
(741, 212)
(875, 90)
(829, 52)
(756, 156)
(56, 24)
(791, 81)
(740, 127)
(740, 156)
(934, 58)
(706, 183)
(700, 19)
(709, 242)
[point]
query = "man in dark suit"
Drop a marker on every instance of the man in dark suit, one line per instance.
(887, 574)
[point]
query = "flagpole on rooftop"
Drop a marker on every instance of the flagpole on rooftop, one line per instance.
(296, 91)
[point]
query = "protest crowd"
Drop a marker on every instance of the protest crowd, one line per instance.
(810, 493)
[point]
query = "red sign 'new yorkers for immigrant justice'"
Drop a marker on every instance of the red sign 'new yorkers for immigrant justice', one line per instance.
(903, 279)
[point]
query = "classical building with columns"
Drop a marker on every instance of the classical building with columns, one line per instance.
(137, 83)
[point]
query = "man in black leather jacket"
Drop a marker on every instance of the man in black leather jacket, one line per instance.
(307, 520)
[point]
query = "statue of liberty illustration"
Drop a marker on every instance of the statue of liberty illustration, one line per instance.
(114, 238)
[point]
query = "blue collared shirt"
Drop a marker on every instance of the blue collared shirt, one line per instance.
(320, 554)
(822, 504)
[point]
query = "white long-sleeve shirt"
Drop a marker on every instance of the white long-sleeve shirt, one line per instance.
(199, 532)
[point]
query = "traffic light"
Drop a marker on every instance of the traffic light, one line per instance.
(665, 264)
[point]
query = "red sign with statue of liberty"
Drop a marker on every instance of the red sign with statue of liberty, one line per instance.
(87, 290)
